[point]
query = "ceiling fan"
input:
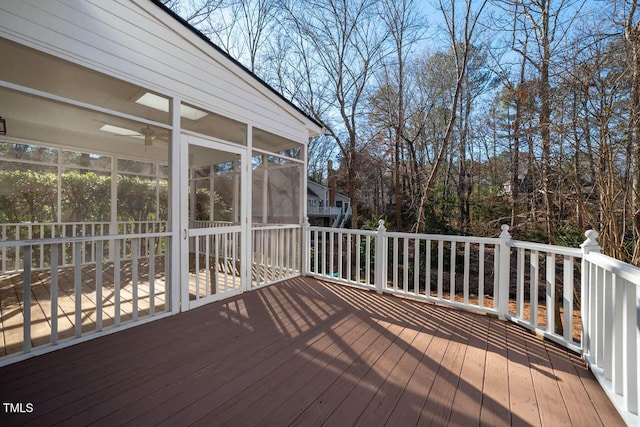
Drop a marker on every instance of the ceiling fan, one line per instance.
(149, 135)
(146, 133)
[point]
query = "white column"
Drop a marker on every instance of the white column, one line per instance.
(212, 192)
(113, 220)
(178, 202)
(305, 250)
(504, 272)
(246, 216)
(381, 258)
(589, 245)
(236, 182)
(265, 188)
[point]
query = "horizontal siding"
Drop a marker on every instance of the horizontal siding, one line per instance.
(122, 39)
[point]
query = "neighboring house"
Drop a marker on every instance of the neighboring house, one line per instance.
(326, 207)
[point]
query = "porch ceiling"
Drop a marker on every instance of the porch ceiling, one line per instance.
(309, 352)
(51, 123)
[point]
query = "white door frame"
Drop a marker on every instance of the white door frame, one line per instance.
(244, 217)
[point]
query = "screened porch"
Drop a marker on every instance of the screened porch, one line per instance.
(120, 204)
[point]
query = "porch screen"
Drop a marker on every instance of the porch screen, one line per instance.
(276, 190)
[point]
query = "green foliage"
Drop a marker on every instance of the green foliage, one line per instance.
(85, 196)
(222, 212)
(31, 196)
(487, 205)
(536, 235)
(566, 235)
(27, 196)
(136, 198)
(372, 224)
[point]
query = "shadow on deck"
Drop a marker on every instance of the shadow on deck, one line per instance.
(308, 352)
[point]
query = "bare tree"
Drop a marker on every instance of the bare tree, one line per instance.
(631, 27)
(339, 46)
(194, 11)
(254, 18)
(461, 44)
(406, 26)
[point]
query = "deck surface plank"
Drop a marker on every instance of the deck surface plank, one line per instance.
(306, 352)
(437, 410)
(546, 385)
(180, 382)
(467, 403)
(495, 394)
(522, 397)
(349, 410)
(415, 394)
(296, 390)
(571, 388)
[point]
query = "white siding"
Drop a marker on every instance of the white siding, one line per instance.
(142, 44)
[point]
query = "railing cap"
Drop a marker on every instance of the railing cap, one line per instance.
(591, 244)
(381, 225)
(505, 232)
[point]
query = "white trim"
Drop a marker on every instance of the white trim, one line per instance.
(280, 156)
(175, 207)
(183, 205)
(204, 141)
(213, 298)
(230, 144)
(246, 211)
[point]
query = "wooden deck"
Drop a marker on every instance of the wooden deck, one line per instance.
(304, 352)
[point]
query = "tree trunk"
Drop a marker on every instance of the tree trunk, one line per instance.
(632, 35)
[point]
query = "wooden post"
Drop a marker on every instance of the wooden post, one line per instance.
(381, 258)
(505, 272)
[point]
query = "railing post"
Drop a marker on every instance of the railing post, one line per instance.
(588, 246)
(381, 257)
(306, 245)
(504, 277)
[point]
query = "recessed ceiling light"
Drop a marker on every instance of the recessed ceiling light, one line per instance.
(162, 104)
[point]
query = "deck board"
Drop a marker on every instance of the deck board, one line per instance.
(307, 352)
(349, 409)
(523, 403)
(438, 408)
(467, 403)
(570, 385)
(553, 411)
(495, 394)
(414, 395)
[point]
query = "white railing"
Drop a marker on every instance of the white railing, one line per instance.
(546, 280)
(324, 210)
(611, 326)
(577, 297)
(429, 267)
(276, 253)
(17, 232)
(214, 261)
(63, 302)
(209, 224)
